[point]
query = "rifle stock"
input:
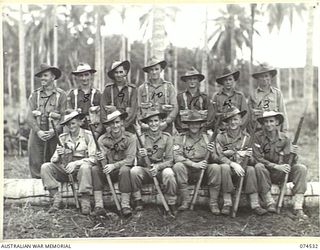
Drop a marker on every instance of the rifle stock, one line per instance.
(290, 162)
(70, 177)
(155, 180)
(197, 187)
(103, 163)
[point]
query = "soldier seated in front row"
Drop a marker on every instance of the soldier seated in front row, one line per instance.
(158, 148)
(272, 150)
(232, 147)
(76, 157)
(189, 153)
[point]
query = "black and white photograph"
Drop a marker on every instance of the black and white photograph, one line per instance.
(160, 120)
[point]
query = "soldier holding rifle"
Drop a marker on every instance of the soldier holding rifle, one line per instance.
(157, 146)
(46, 102)
(85, 98)
(76, 157)
(119, 148)
(189, 152)
(272, 149)
(231, 147)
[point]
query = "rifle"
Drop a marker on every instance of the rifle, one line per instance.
(244, 165)
(103, 163)
(197, 187)
(75, 195)
(291, 159)
(155, 180)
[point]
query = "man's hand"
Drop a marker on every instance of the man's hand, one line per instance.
(200, 165)
(60, 150)
(144, 126)
(210, 147)
(249, 152)
(237, 168)
(283, 168)
(154, 170)
(107, 169)
(50, 134)
(99, 156)
(42, 135)
(294, 149)
(70, 167)
(163, 125)
(143, 152)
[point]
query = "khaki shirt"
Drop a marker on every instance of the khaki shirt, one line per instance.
(222, 102)
(271, 152)
(38, 100)
(225, 141)
(185, 100)
(83, 147)
(271, 100)
(121, 99)
(84, 101)
(158, 95)
(187, 148)
(159, 149)
(119, 151)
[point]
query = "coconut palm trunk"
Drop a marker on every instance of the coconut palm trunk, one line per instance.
(204, 64)
(55, 36)
(22, 75)
(158, 33)
(97, 63)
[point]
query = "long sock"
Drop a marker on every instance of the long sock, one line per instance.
(98, 199)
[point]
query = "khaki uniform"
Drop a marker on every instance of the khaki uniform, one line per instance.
(38, 150)
(271, 100)
(225, 141)
(121, 152)
(187, 149)
(77, 99)
(222, 102)
(83, 149)
(188, 102)
(159, 150)
(268, 153)
(125, 100)
(156, 96)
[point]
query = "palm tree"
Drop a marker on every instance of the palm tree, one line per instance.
(22, 74)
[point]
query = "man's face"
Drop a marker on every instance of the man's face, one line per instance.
(270, 123)
(193, 82)
(154, 72)
(74, 125)
(234, 122)
(47, 78)
(154, 123)
(228, 82)
(116, 125)
(194, 127)
(84, 78)
(264, 80)
(119, 74)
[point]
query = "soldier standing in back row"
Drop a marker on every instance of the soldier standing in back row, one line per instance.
(120, 94)
(159, 94)
(228, 97)
(45, 103)
(85, 98)
(191, 98)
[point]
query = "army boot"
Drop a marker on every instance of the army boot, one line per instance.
(213, 203)
(57, 200)
(85, 204)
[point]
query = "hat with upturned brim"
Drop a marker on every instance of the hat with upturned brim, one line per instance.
(193, 116)
(154, 61)
(264, 68)
(228, 72)
(190, 73)
(70, 115)
(233, 111)
(152, 113)
(114, 115)
(83, 67)
(117, 64)
(267, 114)
(45, 67)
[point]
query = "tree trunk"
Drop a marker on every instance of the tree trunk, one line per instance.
(290, 84)
(55, 37)
(253, 8)
(102, 71)
(308, 70)
(9, 82)
(204, 67)
(128, 50)
(278, 79)
(176, 68)
(32, 68)
(146, 58)
(22, 76)
(158, 33)
(97, 64)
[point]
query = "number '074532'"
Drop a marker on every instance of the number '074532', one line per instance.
(309, 246)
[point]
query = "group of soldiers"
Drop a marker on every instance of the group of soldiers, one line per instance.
(174, 135)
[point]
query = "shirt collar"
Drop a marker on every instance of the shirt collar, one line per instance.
(161, 82)
(222, 92)
(196, 95)
(155, 138)
(80, 135)
(261, 90)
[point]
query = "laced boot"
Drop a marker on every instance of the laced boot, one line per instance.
(57, 200)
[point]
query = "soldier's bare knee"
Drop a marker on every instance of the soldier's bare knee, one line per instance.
(168, 173)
